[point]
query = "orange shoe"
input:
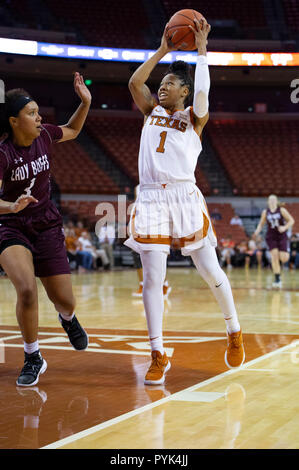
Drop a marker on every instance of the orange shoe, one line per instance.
(158, 368)
(138, 293)
(157, 392)
(234, 355)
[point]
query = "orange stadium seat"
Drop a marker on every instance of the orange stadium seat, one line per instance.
(116, 32)
(247, 14)
(73, 169)
(85, 210)
(260, 157)
(222, 227)
(75, 172)
(22, 13)
(291, 14)
(293, 208)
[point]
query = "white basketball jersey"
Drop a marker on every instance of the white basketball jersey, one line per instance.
(169, 147)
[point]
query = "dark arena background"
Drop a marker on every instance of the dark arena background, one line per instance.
(96, 399)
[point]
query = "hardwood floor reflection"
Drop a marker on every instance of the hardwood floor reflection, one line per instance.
(100, 392)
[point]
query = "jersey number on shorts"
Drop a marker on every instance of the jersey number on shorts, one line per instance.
(27, 191)
(161, 148)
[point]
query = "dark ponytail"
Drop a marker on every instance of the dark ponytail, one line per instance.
(12, 97)
(183, 71)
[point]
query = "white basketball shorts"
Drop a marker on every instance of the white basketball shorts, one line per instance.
(169, 213)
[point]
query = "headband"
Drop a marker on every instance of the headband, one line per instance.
(18, 104)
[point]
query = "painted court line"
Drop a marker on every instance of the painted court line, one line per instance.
(93, 347)
(96, 335)
(119, 337)
(7, 338)
(97, 350)
(174, 396)
(202, 397)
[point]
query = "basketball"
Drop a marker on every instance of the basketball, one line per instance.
(178, 31)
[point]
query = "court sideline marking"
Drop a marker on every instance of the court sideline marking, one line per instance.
(130, 414)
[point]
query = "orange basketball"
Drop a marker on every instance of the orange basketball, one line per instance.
(178, 32)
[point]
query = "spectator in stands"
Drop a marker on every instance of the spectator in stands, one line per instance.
(90, 254)
(240, 254)
(85, 250)
(227, 251)
(106, 238)
(253, 255)
(294, 249)
(215, 215)
(236, 220)
(79, 228)
(263, 248)
(70, 224)
(71, 247)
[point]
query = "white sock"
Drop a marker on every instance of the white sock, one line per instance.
(154, 271)
(67, 317)
(30, 348)
(157, 344)
(206, 262)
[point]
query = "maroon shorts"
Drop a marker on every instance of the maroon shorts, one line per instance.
(280, 241)
(42, 234)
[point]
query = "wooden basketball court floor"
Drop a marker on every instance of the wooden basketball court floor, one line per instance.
(96, 399)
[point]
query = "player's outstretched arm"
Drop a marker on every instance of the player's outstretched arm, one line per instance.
(139, 90)
(202, 76)
(76, 122)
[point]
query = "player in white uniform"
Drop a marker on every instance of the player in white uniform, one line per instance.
(169, 204)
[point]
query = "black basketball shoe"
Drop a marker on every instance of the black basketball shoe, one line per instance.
(34, 365)
(77, 336)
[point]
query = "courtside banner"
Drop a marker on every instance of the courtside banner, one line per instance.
(34, 48)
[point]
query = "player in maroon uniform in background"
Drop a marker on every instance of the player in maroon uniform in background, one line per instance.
(279, 220)
(31, 231)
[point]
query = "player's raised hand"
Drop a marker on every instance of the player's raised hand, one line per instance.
(201, 32)
(166, 44)
(22, 202)
(81, 89)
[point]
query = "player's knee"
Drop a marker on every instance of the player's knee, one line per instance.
(26, 294)
(275, 255)
(152, 279)
(217, 277)
(65, 305)
(213, 277)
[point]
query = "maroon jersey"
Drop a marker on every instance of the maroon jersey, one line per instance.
(274, 238)
(274, 220)
(26, 170)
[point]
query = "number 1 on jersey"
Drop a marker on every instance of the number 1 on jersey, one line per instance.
(161, 148)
